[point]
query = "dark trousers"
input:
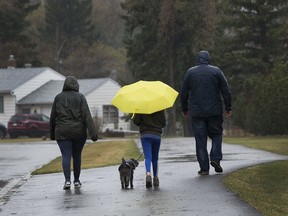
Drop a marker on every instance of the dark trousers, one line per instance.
(204, 127)
(71, 148)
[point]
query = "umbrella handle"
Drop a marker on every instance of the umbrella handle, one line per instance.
(133, 115)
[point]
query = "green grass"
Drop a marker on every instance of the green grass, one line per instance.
(273, 144)
(20, 140)
(265, 186)
(98, 154)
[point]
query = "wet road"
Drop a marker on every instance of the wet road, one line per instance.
(18, 160)
(181, 192)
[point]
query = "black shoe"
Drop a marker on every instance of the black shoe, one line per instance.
(202, 172)
(148, 181)
(216, 166)
(156, 181)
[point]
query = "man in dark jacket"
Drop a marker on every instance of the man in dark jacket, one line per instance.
(150, 127)
(70, 117)
(201, 92)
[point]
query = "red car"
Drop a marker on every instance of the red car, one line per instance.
(31, 125)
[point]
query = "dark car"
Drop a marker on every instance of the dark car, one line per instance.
(3, 131)
(31, 125)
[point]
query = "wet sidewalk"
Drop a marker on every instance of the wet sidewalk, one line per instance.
(181, 191)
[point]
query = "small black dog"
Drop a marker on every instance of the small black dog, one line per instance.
(126, 170)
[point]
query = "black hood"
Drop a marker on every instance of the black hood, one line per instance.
(71, 83)
(203, 57)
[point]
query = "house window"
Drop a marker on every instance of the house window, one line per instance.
(1, 104)
(26, 110)
(110, 114)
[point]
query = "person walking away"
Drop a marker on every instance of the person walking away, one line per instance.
(69, 120)
(150, 128)
(202, 88)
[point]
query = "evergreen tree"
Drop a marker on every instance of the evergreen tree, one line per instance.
(141, 37)
(254, 35)
(72, 18)
(12, 35)
(164, 37)
(265, 110)
(67, 21)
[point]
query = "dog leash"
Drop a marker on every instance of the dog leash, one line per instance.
(139, 157)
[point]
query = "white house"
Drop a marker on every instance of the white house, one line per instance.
(18, 83)
(29, 90)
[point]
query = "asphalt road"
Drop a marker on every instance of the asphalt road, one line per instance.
(181, 191)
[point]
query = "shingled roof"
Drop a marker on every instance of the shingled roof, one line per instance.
(12, 78)
(46, 93)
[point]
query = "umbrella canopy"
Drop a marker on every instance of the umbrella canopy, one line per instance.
(145, 97)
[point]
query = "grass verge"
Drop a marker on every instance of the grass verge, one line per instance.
(20, 140)
(278, 145)
(265, 186)
(98, 154)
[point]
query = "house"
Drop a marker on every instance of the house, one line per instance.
(16, 83)
(32, 90)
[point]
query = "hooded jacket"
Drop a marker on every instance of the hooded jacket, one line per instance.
(202, 88)
(70, 115)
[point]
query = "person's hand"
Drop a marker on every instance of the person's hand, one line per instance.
(228, 114)
(185, 113)
(94, 137)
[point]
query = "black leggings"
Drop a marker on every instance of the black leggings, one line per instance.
(71, 148)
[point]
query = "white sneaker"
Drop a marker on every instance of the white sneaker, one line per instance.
(67, 185)
(77, 184)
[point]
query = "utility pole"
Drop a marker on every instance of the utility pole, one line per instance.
(58, 49)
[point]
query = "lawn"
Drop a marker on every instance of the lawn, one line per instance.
(98, 154)
(265, 187)
(275, 144)
(20, 140)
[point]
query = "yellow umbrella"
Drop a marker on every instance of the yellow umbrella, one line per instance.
(145, 97)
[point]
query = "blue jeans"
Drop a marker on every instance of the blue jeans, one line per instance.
(204, 127)
(151, 146)
(71, 148)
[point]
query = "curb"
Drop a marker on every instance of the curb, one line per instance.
(13, 185)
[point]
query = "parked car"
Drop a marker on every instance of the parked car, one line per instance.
(31, 125)
(3, 131)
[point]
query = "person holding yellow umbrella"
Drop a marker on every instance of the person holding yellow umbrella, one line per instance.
(147, 101)
(150, 128)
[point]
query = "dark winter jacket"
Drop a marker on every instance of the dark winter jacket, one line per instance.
(150, 123)
(202, 88)
(70, 116)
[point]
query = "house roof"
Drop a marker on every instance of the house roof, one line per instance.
(46, 93)
(12, 78)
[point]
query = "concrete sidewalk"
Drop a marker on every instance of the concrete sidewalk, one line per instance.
(181, 191)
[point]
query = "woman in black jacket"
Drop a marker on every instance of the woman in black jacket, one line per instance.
(70, 117)
(150, 128)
